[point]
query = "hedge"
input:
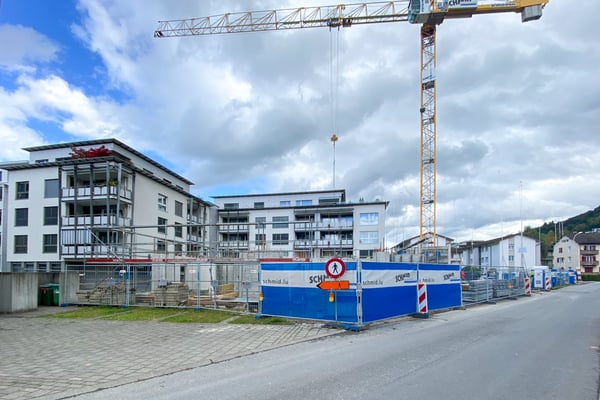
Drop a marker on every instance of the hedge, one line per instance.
(590, 277)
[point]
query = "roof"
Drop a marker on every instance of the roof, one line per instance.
(336, 191)
(587, 238)
(104, 141)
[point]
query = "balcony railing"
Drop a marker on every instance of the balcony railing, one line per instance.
(304, 244)
(323, 226)
(96, 220)
(96, 191)
(233, 228)
(93, 249)
(241, 244)
(588, 252)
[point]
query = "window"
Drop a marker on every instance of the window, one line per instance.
(178, 230)
(178, 208)
(51, 188)
(369, 237)
(162, 202)
(560, 250)
(22, 190)
(55, 267)
(162, 225)
(0, 216)
(231, 206)
(259, 204)
(304, 202)
(178, 249)
(280, 238)
(50, 243)
(260, 222)
(20, 244)
(369, 218)
(260, 239)
(280, 224)
(50, 215)
(21, 216)
(161, 245)
(285, 203)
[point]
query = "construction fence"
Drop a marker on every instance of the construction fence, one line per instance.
(169, 284)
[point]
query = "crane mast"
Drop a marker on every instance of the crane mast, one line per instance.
(428, 13)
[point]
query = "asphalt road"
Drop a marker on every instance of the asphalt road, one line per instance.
(542, 347)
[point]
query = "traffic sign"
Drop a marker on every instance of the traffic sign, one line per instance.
(334, 285)
(335, 268)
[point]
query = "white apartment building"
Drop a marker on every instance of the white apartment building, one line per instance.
(98, 199)
(579, 252)
(318, 224)
(507, 251)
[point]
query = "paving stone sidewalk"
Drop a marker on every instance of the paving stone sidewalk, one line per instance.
(46, 358)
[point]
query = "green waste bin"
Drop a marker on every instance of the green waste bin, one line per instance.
(49, 295)
(54, 295)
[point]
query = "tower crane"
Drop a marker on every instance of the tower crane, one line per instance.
(428, 13)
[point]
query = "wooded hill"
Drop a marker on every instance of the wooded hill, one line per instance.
(550, 232)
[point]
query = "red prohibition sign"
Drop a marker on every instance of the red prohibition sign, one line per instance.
(335, 267)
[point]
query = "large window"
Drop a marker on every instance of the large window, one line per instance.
(50, 215)
(259, 204)
(161, 245)
(280, 239)
(51, 188)
(285, 203)
(260, 239)
(162, 225)
(304, 202)
(280, 222)
(260, 222)
(21, 216)
(369, 218)
(22, 190)
(50, 243)
(178, 208)
(231, 206)
(178, 230)
(369, 237)
(162, 202)
(20, 244)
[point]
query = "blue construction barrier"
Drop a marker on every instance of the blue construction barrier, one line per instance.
(377, 290)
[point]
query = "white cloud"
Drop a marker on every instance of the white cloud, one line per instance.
(516, 103)
(22, 46)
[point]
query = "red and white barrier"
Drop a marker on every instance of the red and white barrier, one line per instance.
(527, 286)
(422, 298)
(548, 283)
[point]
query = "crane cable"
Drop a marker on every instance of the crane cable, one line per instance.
(334, 88)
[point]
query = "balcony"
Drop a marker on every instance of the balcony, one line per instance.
(335, 226)
(233, 228)
(93, 250)
(328, 244)
(96, 192)
(241, 244)
(96, 220)
(589, 263)
(588, 252)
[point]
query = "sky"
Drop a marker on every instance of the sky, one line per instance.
(518, 105)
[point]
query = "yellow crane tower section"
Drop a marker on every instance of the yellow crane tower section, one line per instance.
(428, 13)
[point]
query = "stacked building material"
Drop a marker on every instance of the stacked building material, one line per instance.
(173, 294)
(479, 290)
(105, 294)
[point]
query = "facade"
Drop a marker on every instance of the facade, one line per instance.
(578, 252)
(97, 199)
(440, 250)
(319, 224)
(507, 251)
